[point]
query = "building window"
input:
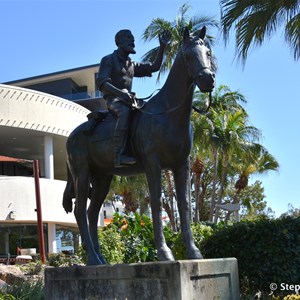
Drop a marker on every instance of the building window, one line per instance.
(67, 239)
(21, 236)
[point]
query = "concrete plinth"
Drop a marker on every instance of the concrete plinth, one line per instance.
(206, 279)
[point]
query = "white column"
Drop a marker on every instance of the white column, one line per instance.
(101, 217)
(48, 157)
(52, 238)
(6, 242)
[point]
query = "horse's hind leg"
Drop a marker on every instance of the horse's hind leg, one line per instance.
(100, 188)
(82, 185)
(182, 183)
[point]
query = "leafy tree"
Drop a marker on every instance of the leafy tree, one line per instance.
(256, 160)
(292, 212)
(234, 136)
(251, 198)
(256, 20)
(223, 99)
(227, 132)
(176, 28)
(229, 146)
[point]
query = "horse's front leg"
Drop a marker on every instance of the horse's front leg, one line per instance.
(183, 183)
(153, 173)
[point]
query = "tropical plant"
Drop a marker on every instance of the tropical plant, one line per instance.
(133, 192)
(176, 28)
(256, 160)
(234, 135)
(251, 200)
(111, 244)
(169, 197)
(137, 235)
(225, 132)
(256, 20)
(223, 99)
(26, 290)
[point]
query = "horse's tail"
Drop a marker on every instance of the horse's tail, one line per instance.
(69, 193)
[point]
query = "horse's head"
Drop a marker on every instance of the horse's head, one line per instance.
(197, 59)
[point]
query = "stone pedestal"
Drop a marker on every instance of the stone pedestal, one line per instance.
(206, 279)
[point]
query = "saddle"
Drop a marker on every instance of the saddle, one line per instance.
(93, 119)
(98, 116)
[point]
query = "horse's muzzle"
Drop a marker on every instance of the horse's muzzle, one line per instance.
(206, 81)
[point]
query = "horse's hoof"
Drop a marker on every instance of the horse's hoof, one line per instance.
(94, 262)
(102, 259)
(68, 206)
(194, 254)
(165, 254)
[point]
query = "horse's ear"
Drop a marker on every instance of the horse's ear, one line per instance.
(186, 36)
(202, 33)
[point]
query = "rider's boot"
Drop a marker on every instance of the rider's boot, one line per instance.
(121, 158)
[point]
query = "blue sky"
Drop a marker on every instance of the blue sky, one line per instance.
(45, 36)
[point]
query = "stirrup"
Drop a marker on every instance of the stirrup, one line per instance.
(123, 160)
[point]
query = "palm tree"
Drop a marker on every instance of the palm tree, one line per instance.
(223, 125)
(223, 99)
(256, 20)
(176, 28)
(234, 136)
(257, 160)
(168, 206)
(132, 190)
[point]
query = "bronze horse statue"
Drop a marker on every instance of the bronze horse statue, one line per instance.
(160, 138)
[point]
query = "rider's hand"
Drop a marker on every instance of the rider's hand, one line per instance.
(127, 97)
(164, 38)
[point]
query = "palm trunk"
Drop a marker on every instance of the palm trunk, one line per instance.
(222, 185)
(215, 177)
(170, 208)
(201, 203)
(197, 169)
(130, 204)
(197, 196)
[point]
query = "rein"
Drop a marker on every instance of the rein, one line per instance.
(141, 109)
(137, 101)
(207, 109)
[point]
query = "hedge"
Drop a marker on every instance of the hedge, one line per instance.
(268, 251)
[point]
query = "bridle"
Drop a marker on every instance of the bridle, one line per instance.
(193, 76)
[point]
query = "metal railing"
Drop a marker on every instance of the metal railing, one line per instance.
(82, 95)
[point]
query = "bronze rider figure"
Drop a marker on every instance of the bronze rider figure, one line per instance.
(114, 79)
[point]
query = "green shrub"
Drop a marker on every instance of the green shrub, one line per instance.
(32, 268)
(200, 232)
(137, 235)
(128, 239)
(23, 291)
(267, 251)
(292, 297)
(62, 260)
(111, 244)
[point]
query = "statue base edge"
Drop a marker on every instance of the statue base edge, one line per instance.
(177, 280)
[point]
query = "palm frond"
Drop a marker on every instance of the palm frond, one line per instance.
(254, 21)
(292, 35)
(176, 28)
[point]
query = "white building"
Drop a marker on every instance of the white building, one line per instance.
(35, 121)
